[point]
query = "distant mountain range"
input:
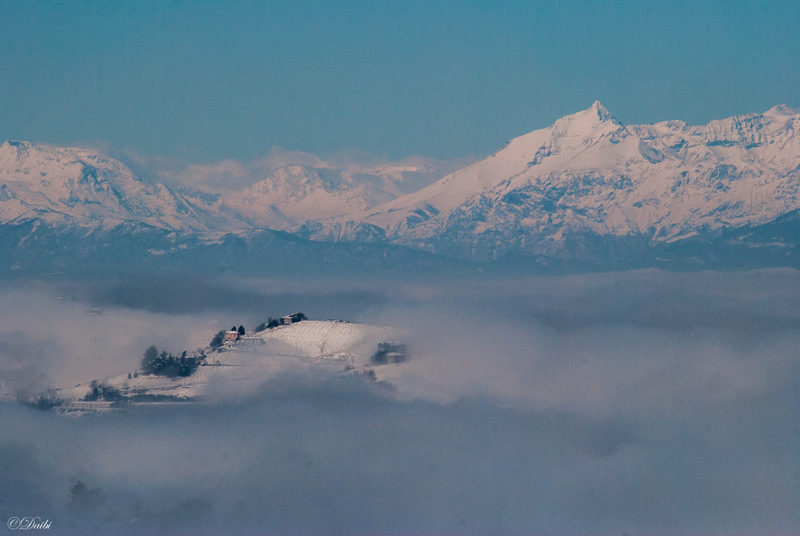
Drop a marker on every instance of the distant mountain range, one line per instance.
(588, 174)
(84, 188)
(586, 191)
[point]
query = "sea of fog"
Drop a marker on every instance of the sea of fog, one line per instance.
(641, 402)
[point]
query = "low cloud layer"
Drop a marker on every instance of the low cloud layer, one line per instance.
(643, 402)
(50, 339)
(634, 343)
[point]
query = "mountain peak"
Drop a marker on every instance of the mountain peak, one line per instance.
(589, 123)
(782, 109)
(593, 115)
(601, 112)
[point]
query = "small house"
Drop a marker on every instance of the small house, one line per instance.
(389, 353)
(292, 318)
(231, 336)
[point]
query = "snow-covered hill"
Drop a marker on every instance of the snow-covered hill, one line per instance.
(329, 347)
(588, 174)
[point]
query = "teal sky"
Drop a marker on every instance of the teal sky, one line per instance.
(210, 80)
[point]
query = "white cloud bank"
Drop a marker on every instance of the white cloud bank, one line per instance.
(644, 402)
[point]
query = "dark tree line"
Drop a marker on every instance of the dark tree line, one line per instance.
(269, 324)
(218, 339)
(166, 364)
(102, 391)
(275, 322)
(44, 401)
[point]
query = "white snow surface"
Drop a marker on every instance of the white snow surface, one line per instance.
(329, 347)
(83, 187)
(295, 193)
(586, 173)
(590, 173)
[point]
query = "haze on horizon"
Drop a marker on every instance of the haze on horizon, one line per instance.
(205, 82)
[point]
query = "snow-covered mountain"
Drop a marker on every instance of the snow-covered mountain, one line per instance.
(312, 189)
(581, 189)
(590, 175)
(82, 187)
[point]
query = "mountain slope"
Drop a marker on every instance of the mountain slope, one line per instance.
(71, 186)
(585, 191)
(588, 174)
(84, 188)
(297, 192)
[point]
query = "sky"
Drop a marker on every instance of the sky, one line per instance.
(211, 80)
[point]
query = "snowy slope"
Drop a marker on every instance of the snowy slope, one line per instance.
(586, 178)
(83, 187)
(72, 186)
(330, 346)
(295, 193)
(329, 339)
(589, 174)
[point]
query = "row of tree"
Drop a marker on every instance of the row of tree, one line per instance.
(269, 324)
(219, 338)
(102, 391)
(166, 364)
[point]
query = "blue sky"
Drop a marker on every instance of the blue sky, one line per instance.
(211, 80)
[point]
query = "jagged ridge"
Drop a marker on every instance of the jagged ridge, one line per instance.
(588, 174)
(586, 177)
